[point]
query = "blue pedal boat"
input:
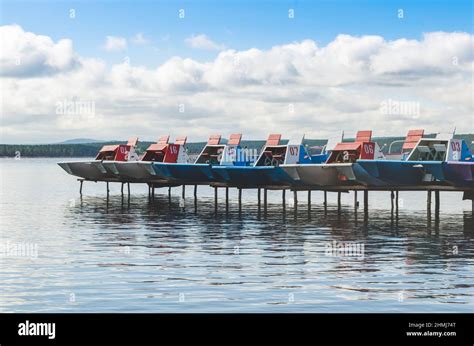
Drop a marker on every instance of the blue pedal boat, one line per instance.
(264, 170)
(339, 169)
(426, 161)
(200, 172)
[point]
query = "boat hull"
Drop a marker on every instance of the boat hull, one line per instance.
(89, 170)
(317, 175)
(251, 176)
(459, 173)
(183, 172)
(404, 173)
(133, 172)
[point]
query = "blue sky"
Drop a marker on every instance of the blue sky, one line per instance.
(238, 24)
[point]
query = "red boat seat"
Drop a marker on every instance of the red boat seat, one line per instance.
(412, 138)
(363, 136)
(157, 147)
(163, 139)
(273, 140)
(109, 148)
(235, 139)
(132, 141)
(214, 140)
(347, 146)
(181, 140)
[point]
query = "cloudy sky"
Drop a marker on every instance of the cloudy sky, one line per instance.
(107, 70)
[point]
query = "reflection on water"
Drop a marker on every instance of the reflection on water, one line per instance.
(141, 255)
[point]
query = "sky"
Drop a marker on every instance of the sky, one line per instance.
(111, 70)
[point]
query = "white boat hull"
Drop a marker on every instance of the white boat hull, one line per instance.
(89, 170)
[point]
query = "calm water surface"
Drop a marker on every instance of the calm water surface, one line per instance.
(87, 255)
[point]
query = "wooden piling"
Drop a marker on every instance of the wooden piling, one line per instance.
(309, 201)
(366, 201)
(392, 197)
(183, 193)
(339, 201)
(121, 189)
(215, 199)
(428, 202)
(356, 203)
(295, 197)
(240, 200)
(227, 199)
(437, 203)
(265, 200)
(283, 199)
(396, 200)
(128, 189)
(107, 183)
(325, 199)
(195, 198)
(259, 202)
(80, 187)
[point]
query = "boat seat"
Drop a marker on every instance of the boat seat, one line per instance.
(363, 136)
(273, 140)
(235, 139)
(163, 140)
(425, 152)
(412, 139)
(214, 140)
(132, 141)
(181, 140)
(440, 151)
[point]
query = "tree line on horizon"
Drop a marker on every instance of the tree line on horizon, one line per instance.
(91, 149)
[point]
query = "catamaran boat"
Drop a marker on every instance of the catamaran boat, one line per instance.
(426, 161)
(95, 170)
(364, 171)
(141, 171)
(214, 153)
(340, 164)
(265, 171)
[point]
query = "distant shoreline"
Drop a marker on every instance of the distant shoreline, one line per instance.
(90, 150)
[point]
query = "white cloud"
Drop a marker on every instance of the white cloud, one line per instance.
(114, 43)
(139, 39)
(201, 41)
(25, 54)
(331, 88)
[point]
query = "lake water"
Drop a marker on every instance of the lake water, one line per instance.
(63, 253)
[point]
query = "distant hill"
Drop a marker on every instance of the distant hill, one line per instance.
(81, 141)
(90, 149)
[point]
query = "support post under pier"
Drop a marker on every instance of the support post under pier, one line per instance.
(240, 200)
(437, 203)
(226, 199)
(366, 201)
(309, 201)
(215, 199)
(265, 201)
